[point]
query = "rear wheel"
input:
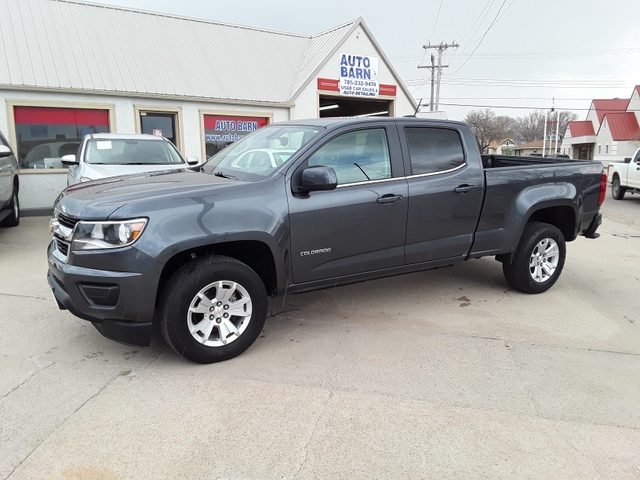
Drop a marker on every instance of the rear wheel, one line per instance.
(14, 217)
(617, 191)
(538, 260)
(213, 309)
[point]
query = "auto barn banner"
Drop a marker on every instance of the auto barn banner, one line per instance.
(359, 76)
(221, 130)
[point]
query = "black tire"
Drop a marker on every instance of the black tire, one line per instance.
(13, 220)
(230, 282)
(530, 259)
(617, 191)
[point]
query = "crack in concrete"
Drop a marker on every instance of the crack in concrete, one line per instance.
(313, 434)
(26, 380)
(533, 344)
(37, 297)
(62, 423)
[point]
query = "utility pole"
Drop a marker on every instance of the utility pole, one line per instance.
(441, 48)
(433, 73)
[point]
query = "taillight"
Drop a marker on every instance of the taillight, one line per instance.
(603, 188)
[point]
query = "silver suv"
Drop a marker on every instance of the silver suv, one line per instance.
(110, 154)
(9, 186)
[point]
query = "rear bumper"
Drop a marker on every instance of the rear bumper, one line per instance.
(595, 223)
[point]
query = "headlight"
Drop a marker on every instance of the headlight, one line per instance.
(100, 235)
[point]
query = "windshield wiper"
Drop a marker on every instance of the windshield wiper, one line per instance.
(224, 175)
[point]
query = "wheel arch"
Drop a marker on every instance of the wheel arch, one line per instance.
(563, 217)
(255, 254)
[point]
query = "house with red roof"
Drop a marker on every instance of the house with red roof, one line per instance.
(610, 132)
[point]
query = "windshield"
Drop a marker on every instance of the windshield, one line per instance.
(131, 152)
(260, 153)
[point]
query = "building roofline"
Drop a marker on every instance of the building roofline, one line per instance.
(183, 17)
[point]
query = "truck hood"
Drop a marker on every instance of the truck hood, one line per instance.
(100, 199)
(97, 172)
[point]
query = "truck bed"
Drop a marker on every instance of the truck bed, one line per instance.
(498, 161)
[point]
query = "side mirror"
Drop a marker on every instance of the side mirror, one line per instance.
(318, 178)
(194, 163)
(69, 160)
(5, 151)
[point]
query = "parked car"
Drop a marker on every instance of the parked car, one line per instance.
(49, 155)
(359, 199)
(9, 186)
(625, 176)
(111, 154)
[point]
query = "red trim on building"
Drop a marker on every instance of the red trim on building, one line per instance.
(60, 116)
(389, 90)
(328, 84)
(332, 85)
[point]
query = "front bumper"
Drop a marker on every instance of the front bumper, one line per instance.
(119, 304)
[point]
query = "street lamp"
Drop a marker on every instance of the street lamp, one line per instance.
(544, 135)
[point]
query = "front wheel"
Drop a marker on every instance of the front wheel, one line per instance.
(13, 220)
(617, 191)
(538, 260)
(213, 309)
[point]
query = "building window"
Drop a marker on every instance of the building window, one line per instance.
(606, 149)
(45, 134)
(599, 149)
(221, 130)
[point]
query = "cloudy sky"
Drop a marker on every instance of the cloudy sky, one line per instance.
(513, 53)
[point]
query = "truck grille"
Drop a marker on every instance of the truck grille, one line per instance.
(63, 246)
(61, 237)
(67, 221)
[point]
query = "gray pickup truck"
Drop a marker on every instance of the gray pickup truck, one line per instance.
(304, 205)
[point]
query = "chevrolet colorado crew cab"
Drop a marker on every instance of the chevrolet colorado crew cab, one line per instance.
(625, 176)
(303, 205)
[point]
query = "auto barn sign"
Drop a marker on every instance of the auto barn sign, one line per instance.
(359, 76)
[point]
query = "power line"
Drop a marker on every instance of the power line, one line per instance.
(538, 83)
(485, 34)
(524, 55)
(515, 98)
(436, 22)
(522, 107)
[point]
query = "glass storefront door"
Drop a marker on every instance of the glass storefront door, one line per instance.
(160, 124)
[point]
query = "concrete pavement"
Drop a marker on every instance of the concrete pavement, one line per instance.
(441, 374)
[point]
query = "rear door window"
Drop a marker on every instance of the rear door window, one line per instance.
(434, 150)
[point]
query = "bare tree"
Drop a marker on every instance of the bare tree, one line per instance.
(566, 117)
(529, 127)
(486, 126)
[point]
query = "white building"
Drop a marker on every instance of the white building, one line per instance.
(610, 132)
(70, 68)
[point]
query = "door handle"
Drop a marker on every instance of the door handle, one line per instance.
(389, 198)
(464, 189)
